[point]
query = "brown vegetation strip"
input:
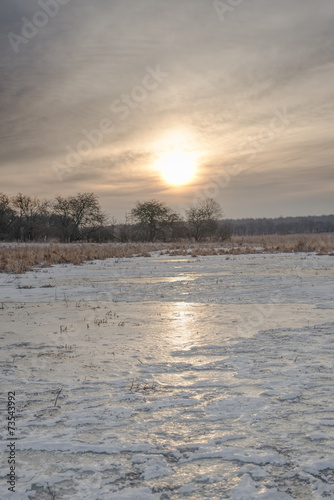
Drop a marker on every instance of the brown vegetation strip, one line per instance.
(20, 257)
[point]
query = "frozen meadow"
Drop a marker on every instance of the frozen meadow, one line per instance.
(171, 377)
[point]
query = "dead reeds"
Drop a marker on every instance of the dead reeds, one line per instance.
(18, 258)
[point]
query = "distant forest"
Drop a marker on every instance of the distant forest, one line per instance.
(282, 225)
(80, 218)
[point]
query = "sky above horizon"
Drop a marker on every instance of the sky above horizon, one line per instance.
(174, 101)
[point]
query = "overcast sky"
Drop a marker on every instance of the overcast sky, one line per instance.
(244, 88)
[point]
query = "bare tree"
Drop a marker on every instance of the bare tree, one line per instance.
(7, 215)
(154, 218)
(78, 215)
(32, 215)
(203, 218)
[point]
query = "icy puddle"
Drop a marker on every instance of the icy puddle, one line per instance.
(164, 378)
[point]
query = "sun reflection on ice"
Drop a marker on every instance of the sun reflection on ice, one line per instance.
(183, 326)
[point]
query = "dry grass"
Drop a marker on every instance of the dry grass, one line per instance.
(18, 258)
(319, 243)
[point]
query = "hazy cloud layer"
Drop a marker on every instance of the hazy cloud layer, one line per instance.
(255, 89)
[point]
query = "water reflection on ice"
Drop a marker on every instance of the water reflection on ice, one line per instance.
(164, 394)
(182, 329)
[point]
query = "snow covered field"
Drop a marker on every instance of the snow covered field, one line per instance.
(207, 377)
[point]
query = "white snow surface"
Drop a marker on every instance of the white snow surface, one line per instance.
(207, 377)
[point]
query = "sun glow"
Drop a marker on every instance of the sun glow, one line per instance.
(177, 167)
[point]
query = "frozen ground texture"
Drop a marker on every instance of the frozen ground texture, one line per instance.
(181, 378)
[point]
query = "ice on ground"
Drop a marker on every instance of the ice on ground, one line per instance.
(170, 378)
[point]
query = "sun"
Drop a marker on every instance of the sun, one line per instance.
(177, 167)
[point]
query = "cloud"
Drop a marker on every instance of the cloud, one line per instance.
(224, 81)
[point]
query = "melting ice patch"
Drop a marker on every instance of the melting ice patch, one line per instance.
(169, 387)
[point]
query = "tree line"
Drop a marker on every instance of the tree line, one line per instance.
(282, 225)
(81, 218)
(24, 218)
